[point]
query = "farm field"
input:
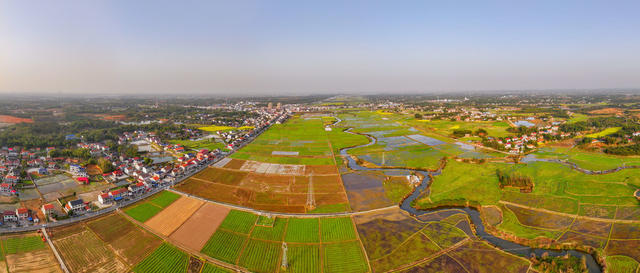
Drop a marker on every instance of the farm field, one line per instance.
(83, 251)
(196, 230)
(172, 217)
(165, 258)
(26, 253)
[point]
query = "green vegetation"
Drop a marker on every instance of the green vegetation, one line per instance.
(211, 268)
(304, 258)
(272, 233)
(604, 132)
(303, 230)
(329, 208)
(337, 229)
(239, 221)
(621, 264)
(165, 258)
(143, 211)
(17, 245)
(209, 143)
(344, 258)
(164, 199)
(261, 256)
(224, 246)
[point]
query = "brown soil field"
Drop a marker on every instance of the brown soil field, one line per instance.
(392, 214)
(222, 176)
(134, 245)
(40, 261)
(13, 120)
(321, 169)
(61, 232)
(540, 219)
(235, 164)
(580, 239)
(480, 257)
(85, 252)
(211, 191)
(3, 267)
(197, 230)
(492, 215)
(606, 111)
(111, 228)
(381, 236)
(590, 227)
(367, 199)
(630, 248)
(262, 182)
(111, 117)
(442, 263)
(625, 231)
(169, 219)
(628, 213)
(280, 208)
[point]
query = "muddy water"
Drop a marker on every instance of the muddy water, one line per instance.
(474, 215)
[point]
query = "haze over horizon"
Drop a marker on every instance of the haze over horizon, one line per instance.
(290, 47)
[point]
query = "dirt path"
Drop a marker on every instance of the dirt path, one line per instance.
(55, 251)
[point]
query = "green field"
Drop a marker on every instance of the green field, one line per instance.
(344, 258)
(303, 230)
(273, 233)
(164, 199)
(621, 264)
(211, 268)
(261, 256)
(17, 245)
(224, 246)
(304, 258)
(165, 258)
(604, 132)
(239, 221)
(143, 211)
(337, 229)
(210, 144)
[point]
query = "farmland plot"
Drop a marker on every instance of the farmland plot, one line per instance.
(143, 211)
(85, 252)
(35, 261)
(337, 229)
(344, 258)
(304, 258)
(169, 219)
(165, 258)
(261, 256)
(225, 246)
(195, 232)
(303, 230)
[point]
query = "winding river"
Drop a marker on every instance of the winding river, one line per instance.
(473, 214)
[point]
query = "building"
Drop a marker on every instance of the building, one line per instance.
(118, 194)
(48, 209)
(22, 213)
(104, 198)
(77, 206)
(9, 215)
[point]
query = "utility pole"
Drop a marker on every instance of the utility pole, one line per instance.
(311, 201)
(285, 264)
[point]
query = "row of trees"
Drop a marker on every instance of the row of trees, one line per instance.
(633, 149)
(505, 179)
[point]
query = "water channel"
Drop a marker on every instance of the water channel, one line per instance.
(473, 214)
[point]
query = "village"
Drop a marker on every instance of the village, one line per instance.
(39, 184)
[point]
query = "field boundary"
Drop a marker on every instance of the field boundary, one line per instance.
(570, 215)
(55, 251)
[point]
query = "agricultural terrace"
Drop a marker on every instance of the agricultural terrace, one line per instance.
(274, 172)
(395, 241)
(314, 244)
(26, 253)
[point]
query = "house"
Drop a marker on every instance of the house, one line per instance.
(11, 179)
(83, 180)
(137, 188)
(6, 188)
(104, 198)
(9, 215)
(43, 171)
(22, 213)
(118, 194)
(77, 170)
(48, 209)
(76, 206)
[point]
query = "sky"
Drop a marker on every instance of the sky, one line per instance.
(311, 47)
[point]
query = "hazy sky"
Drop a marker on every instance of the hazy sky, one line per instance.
(287, 47)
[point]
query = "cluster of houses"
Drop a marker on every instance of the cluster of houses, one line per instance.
(146, 177)
(517, 144)
(17, 215)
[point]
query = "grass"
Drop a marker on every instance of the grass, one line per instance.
(344, 258)
(165, 258)
(17, 245)
(604, 132)
(143, 212)
(164, 199)
(621, 264)
(239, 221)
(329, 208)
(303, 230)
(465, 181)
(210, 144)
(337, 229)
(224, 246)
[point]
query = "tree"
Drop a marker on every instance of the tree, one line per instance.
(105, 165)
(418, 116)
